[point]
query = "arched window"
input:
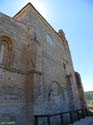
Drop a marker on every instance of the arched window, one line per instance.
(5, 51)
(1, 53)
(49, 39)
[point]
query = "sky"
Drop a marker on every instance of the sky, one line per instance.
(75, 17)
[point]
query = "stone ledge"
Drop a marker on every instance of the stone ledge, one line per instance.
(12, 69)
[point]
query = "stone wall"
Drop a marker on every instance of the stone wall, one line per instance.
(39, 76)
(80, 90)
(52, 53)
(14, 82)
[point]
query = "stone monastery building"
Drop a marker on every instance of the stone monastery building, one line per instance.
(36, 69)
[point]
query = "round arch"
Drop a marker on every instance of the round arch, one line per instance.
(55, 89)
(7, 36)
(6, 49)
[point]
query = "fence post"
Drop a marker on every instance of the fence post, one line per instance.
(86, 112)
(62, 120)
(83, 113)
(89, 114)
(77, 115)
(48, 118)
(36, 120)
(71, 117)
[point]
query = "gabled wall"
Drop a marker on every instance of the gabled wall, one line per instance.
(41, 76)
(51, 55)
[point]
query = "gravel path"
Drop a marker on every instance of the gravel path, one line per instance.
(85, 121)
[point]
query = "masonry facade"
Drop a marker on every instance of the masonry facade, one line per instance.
(36, 69)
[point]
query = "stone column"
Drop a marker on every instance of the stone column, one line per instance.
(80, 90)
(70, 92)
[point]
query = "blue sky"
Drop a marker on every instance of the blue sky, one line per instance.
(75, 17)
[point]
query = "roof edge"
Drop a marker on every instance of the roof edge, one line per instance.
(21, 10)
